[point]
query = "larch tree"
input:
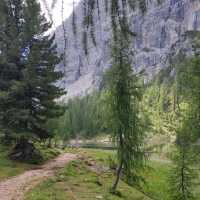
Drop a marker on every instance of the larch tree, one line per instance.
(123, 85)
(123, 101)
(184, 174)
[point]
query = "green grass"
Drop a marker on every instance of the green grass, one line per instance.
(99, 156)
(156, 180)
(10, 168)
(77, 181)
(156, 175)
(48, 153)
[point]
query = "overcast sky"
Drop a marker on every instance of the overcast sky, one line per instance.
(57, 14)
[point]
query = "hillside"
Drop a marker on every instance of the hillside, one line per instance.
(161, 33)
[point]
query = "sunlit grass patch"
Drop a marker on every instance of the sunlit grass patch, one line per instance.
(77, 181)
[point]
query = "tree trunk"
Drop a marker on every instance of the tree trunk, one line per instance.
(49, 145)
(64, 145)
(55, 143)
(119, 170)
(25, 151)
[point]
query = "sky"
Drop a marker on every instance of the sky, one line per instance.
(56, 12)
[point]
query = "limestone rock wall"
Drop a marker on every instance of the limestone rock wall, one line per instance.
(160, 34)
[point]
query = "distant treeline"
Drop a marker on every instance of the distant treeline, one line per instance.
(84, 117)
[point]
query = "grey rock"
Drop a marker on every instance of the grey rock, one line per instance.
(161, 33)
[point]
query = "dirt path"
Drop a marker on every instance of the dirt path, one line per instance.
(15, 188)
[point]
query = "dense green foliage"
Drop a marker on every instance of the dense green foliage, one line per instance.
(173, 107)
(124, 94)
(183, 174)
(84, 117)
(27, 68)
(186, 157)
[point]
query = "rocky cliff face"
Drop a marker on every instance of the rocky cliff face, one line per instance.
(160, 34)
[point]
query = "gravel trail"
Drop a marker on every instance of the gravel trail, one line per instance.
(15, 188)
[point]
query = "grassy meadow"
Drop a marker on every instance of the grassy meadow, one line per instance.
(90, 178)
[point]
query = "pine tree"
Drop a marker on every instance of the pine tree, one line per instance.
(32, 96)
(10, 67)
(124, 96)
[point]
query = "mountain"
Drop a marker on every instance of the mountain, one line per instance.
(161, 33)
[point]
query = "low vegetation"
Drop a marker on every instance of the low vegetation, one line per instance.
(85, 180)
(9, 168)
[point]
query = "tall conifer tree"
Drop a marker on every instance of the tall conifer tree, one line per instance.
(30, 100)
(10, 66)
(124, 96)
(184, 173)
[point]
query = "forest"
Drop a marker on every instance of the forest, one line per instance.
(135, 137)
